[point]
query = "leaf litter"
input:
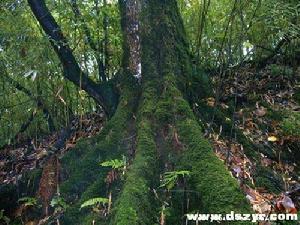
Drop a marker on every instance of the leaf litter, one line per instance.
(15, 161)
(269, 94)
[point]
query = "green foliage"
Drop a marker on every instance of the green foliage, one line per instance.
(170, 178)
(28, 58)
(4, 218)
(278, 70)
(94, 202)
(28, 201)
(291, 124)
(115, 163)
(231, 32)
(59, 203)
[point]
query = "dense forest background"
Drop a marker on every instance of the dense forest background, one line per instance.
(106, 106)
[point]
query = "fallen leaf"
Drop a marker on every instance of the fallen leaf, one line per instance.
(210, 101)
(272, 138)
(286, 204)
(261, 111)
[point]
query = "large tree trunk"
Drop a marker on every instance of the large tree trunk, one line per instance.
(163, 111)
(163, 130)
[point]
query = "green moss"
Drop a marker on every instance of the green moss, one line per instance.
(291, 124)
(135, 204)
(220, 192)
(265, 177)
(296, 96)
(86, 179)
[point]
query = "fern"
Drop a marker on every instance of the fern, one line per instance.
(59, 203)
(115, 163)
(171, 178)
(28, 201)
(93, 202)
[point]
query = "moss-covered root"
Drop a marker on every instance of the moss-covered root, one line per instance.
(86, 179)
(220, 192)
(136, 204)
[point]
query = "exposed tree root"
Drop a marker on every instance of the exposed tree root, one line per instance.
(86, 177)
(219, 191)
(136, 203)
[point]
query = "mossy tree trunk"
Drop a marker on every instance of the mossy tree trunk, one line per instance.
(164, 111)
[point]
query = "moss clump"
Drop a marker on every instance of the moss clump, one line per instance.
(278, 70)
(219, 190)
(291, 124)
(297, 95)
(266, 178)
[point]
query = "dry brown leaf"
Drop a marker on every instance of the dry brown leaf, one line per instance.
(286, 204)
(261, 111)
(210, 101)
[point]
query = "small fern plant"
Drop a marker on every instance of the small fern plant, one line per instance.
(115, 164)
(94, 203)
(28, 201)
(170, 179)
(59, 204)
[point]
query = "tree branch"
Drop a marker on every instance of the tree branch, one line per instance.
(71, 69)
(25, 125)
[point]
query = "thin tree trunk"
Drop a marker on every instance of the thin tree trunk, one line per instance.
(106, 39)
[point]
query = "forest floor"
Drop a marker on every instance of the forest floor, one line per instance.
(24, 156)
(266, 111)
